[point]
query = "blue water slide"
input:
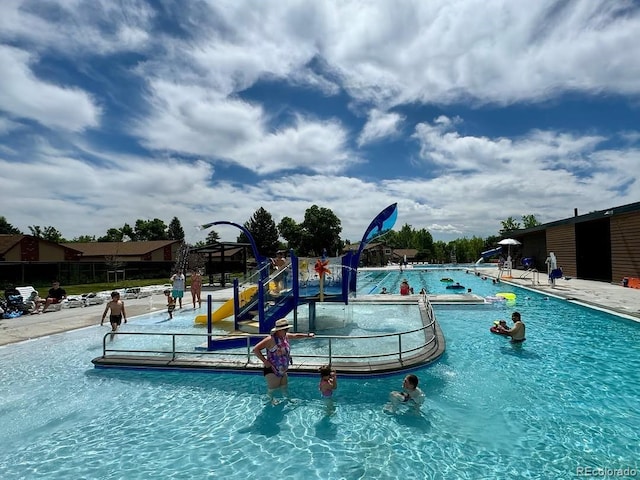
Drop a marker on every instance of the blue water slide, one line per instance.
(490, 253)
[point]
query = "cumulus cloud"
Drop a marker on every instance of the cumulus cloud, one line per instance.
(446, 52)
(23, 95)
(197, 121)
(441, 145)
(77, 27)
(379, 125)
(281, 89)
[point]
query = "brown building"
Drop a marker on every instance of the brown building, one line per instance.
(603, 245)
(26, 260)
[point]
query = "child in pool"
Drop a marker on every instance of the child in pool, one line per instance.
(501, 324)
(328, 381)
(171, 303)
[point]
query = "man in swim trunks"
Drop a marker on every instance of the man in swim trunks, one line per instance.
(517, 332)
(117, 311)
(177, 292)
(278, 357)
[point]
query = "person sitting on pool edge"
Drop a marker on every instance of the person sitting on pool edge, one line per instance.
(517, 332)
(56, 295)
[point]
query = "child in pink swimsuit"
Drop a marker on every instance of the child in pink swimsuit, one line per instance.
(328, 381)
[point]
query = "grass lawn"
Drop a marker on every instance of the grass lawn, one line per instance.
(100, 287)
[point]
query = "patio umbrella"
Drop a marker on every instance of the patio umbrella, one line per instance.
(509, 242)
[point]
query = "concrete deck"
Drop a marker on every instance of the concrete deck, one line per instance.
(600, 295)
(27, 327)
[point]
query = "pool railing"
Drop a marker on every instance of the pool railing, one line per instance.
(406, 350)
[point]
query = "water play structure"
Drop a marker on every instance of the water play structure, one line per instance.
(269, 295)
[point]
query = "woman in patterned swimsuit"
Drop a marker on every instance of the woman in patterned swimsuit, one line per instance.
(278, 358)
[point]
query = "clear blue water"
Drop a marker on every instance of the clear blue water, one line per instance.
(566, 398)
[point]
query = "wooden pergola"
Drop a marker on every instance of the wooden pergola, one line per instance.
(218, 249)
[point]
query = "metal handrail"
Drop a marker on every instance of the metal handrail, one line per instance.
(429, 323)
(329, 356)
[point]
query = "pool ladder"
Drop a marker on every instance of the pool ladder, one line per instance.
(535, 276)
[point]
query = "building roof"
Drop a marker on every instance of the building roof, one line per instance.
(230, 248)
(401, 252)
(7, 242)
(121, 249)
(630, 207)
(355, 246)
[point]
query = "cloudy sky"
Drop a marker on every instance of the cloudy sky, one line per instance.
(465, 112)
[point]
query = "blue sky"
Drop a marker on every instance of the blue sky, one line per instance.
(464, 113)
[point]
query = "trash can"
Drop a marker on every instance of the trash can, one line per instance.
(625, 282)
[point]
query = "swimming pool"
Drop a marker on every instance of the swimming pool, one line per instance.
(493, 410)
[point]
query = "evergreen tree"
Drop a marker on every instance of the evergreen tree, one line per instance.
(7, 229)
(264, 231)
(212, 237)
(175, 231)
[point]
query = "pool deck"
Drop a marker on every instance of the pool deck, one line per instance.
(605, 296)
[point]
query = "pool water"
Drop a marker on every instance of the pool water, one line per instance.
(565, 399)
(433, 280)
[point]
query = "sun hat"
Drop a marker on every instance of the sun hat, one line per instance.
(281, 324)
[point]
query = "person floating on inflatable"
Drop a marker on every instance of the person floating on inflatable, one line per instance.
(499, 326)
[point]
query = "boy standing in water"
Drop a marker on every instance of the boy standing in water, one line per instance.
(171, 303)
(117, 312)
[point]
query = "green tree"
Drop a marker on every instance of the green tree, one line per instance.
(36, 231)
(509, 225)
(530, 221)
(53, 235)
(440, 252)
(146, 230)
(212, 237)
(7, 229)
(47, 233)
(390, 239)
(264, 232)
(175, 231)
(424, 244)
(491, 242)
(291, 232)
(322, 231)
(127, 231)
(406, 237)
(84, 239)
(113, 235)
